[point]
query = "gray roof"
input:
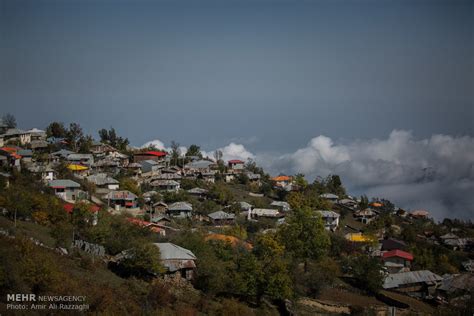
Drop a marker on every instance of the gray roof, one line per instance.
(244, 205)
(398, 279)
(458, 282)
(101, 179)
(63, 153)
(79, 156)
(66, 183)
(329, 196)
(25, 152)
(121, 195)
(200, 164)
(197, 191)
(328, 214)
(180, 206)
(40, 168)
(221, 215)
(281, 204)
(15, 131)
(149, 162)
(171, 251)
(158, 183)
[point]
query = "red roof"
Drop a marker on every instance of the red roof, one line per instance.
(234, 161)
(153, 227)
(398, 253)
(154, 153)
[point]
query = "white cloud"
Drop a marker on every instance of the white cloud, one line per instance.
(155, 143)
(231, 151)
(436, 173)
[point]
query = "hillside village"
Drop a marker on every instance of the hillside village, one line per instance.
(173, 232)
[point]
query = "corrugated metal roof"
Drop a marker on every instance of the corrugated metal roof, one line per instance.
(63, 183)
(170, 251)
(221, 215)
(180, 206)
(423, 276)
(328, 214)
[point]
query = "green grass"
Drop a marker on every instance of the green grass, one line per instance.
(29, 229)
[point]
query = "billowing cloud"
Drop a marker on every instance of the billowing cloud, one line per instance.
(155, 143)
(436, 173)
(232, 151)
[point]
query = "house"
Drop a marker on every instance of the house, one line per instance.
(134, 168)
(281, 205)
(79, 170)
(37, 134)
(17, 135)
(81, 159)
(166, 185)
(349, 203)
(262, 212)
(121, 199)
(254, 178)
(180, 210)
(359, 238)
(150, 165)
(456, 243)
(199, 192)
(150, 155)
(221, 218)
(26, 155)
(229, 177)
(151, 226)
(208, 176)
(392, 244)
(330, 219)
(102, 180)
(199, 166)
(397, 260)
(45, 172)
(365, 216)
(159, 208)
(330, 197)
(282, 181)
(39, 145)
(244, 206)
(236, 165)
(67, 190)
(101, 149)
(415, 283)
(178, 261)
(106, 164)
(60, 155)
(457, 285)
(419, 214)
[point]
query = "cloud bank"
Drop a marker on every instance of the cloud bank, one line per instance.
(435, 173)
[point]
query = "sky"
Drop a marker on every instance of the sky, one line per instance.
(270, 80)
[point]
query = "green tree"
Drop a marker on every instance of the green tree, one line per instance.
(194, 150)
(56, 129)
(143, 259)
(74, 134)
(368, 272)
(273, 279)
(304, 235)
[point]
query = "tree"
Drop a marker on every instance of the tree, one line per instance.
(300, 181)
(218, 155)
(368, 272)
(304, 235)
(57, 130)
(85, 144)
(74, 134)
(9, 120)
(194, 150)
(110, 137)
(334, 185)
(142, 260)
(175, 152)
(273, 278)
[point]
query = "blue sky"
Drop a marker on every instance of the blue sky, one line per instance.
(209, 72)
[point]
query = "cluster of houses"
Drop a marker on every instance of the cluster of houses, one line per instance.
(152, 169)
